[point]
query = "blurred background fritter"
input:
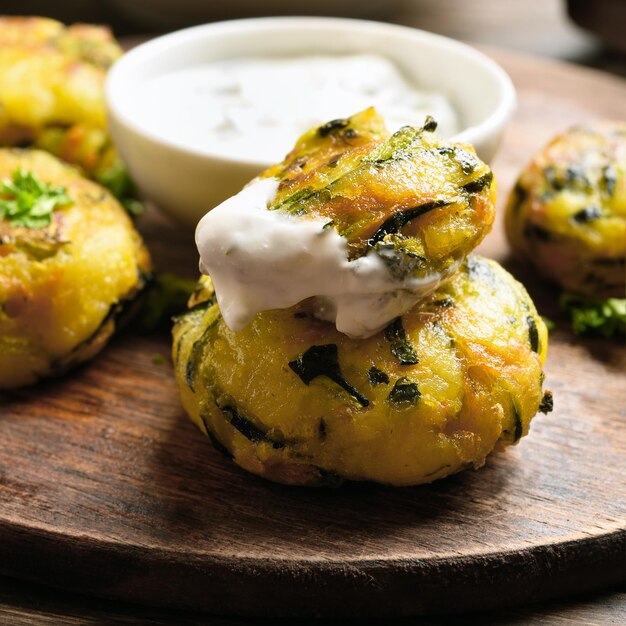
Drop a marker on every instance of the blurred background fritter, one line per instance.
(52, 94)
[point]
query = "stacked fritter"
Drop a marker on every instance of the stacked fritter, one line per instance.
(292, 399)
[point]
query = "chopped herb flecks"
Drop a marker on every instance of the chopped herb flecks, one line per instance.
(197, 348)
(377, 377)
(430, 124)
(404, 392)
(246, 427)
(400, 346)
(519, 426)
(324, 361)
(533, 333)
(26, 201)
(588, 214)
(609, 179)
(242, 424)
(444, 303)
(547, 402)
(479, 184)
(331, 126)
(401, 218)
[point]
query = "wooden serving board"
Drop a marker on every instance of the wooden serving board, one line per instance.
(106, 487)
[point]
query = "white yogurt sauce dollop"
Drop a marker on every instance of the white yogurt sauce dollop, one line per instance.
(254, 108)
(261, 260)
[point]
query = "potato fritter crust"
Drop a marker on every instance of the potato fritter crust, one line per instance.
(295, 401)
(567, 212)
(62, 286)
(422, 203)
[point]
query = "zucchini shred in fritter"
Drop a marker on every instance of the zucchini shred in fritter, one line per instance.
(63, 285)
(292, 399)
(421, 203)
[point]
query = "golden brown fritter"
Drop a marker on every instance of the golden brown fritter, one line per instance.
(567, 212)
(62, 283)
(295, 401)
(420, 202)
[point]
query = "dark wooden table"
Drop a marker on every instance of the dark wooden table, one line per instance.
(23, 604)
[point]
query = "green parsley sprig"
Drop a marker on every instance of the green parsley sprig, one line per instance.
(25, 200)
(595, 316)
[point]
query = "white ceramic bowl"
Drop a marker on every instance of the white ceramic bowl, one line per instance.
(186, 181)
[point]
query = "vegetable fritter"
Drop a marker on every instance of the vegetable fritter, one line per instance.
(420, 202)
(293, 400)
(52, 94)
(567, 212)
(70, 262)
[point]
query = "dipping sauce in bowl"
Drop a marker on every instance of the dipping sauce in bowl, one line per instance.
(254, 108)
(199, 113)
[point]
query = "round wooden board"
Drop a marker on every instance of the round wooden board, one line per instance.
(106, 488)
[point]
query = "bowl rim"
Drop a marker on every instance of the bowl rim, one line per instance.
(128, 63)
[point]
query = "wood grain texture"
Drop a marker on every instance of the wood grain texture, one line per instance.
(106, 488)
(26, 604)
